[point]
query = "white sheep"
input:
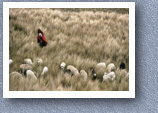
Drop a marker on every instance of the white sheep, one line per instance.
(101, 65)
(10, 61)
(111, 67)
(39, 61)
(28, 61)
(110, 76)
(123, 72)
(24, 68)
(15, 74)
(83, 75)
(16, 77)
(45, 70)
(73, 70)
(100, 68)
(62, 65)
(30, 75)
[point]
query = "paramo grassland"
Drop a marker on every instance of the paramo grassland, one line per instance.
(78, 37)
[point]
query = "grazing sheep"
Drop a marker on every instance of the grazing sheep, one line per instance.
(122, 65)
(28, 61)
(100, 70)
(69, 72)
(45, 70)
(93, 73)
(39, 68)
(15, 74)
(110, 76)
(123, 72)
(39, 61)
(63, 65)
(15, 78)
(10, 61)
(30, 75)
(101, 65)
(83, 75)
(73, 70)
(111, 67)
(105, 77)
(24, 68)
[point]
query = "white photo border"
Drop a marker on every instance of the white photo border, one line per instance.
(69, 94)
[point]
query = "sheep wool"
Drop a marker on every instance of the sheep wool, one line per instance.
(45, 70)
(16, 77)
(24, 68)
(30, 75)
(111, 67)
(105, 77)
(73, 70)
(15, 74)
(39, 61)
(10, 61)
(28, 61)
(123, 72)
(102, 65)
(110, 76)
(83, 75)
(62, 65)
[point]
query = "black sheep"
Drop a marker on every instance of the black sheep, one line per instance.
(93, 73)
(122, 65)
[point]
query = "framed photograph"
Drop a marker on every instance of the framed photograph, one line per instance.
(68, 50)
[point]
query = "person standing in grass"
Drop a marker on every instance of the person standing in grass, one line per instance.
(41, 38)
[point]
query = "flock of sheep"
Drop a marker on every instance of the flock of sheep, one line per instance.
(109, 71)
(25, 70)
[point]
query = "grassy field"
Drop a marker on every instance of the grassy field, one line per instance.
(80, 37)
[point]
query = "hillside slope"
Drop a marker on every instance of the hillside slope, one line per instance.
(81, 38)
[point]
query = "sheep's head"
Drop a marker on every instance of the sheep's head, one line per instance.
(10, 61)
(82, 72)
(39, 61)
(122, 65)
(28, 61)
(68, 71)
(92, 70)
(63, 65)
(45, 70)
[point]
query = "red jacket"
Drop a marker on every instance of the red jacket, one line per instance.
(43, 37)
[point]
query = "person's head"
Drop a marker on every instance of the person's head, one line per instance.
(39, 31)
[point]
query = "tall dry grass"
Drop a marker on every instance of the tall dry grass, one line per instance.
(80, 37)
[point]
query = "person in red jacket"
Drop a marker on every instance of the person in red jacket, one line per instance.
(41, 38)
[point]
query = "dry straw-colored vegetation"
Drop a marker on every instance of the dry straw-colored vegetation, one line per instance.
(80, 37)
